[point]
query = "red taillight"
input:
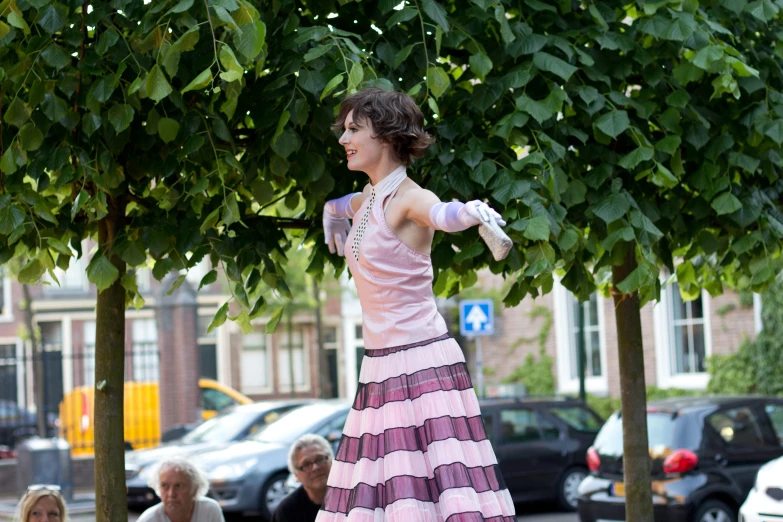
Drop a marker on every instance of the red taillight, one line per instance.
(593, 461)
(680, 461)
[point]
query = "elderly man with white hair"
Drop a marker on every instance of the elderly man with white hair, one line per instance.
(310, 459)
(181, 486)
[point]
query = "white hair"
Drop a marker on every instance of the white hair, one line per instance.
(305, 441)
(198, 480)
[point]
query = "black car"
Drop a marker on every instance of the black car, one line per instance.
(540, 445)
(704, 451)
(17, 424)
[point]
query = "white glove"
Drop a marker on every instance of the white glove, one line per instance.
(337, 213)
(477, 212)
(456, 216)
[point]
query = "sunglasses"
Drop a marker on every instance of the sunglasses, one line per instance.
(44, 487)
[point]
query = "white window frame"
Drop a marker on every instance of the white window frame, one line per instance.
(663, 321)
(282, 355)
(257, 390)
(75, 264)
(145, 366)
(564, 333)
(88, 351)
(7, 314)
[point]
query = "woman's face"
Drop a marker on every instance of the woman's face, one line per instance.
(45, 510)
(362, 150)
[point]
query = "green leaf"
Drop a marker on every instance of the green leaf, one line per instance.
(79, 202)
(401, 55)
(55, 56)
(90, 123)
(539, 111)
(30, 137)
(230, 210)
(663, 177)
(611, 208)
(134, 254)
(156, 85)
(537, 229)
(355, 77)
(706, 56)
(274, 319)
(686, 73)
(331, 86)
(8, 161)
(51, 18)
(4, 30)
(54, 107)
(102, 89)
(31, 273)
(210, 221)
(120, 116)
(726, 203)
(182, 6)
(745, 162)
(613, 123)
(633, 158)
(200, 81)
(233, 71)
(403, 15)
(251, 41)
(168, 129)
(624, 234)
(531, 44)
(317, 52)
(226, 18)
(219, 319)
(484, 172)
(668, 144)
(11, 216)
(436, 13)
(764, 10)
(480, 64)
(208, 279)
(680, 29)
(18, 21)
(17, 113)
(437, 81)
(549, 63)
(641, 276)
(774, 129)
(281, 123)
(102, 272)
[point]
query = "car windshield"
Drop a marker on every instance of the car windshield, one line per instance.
(662, 432)
(223, 428)
(294, 424)
(578, 418)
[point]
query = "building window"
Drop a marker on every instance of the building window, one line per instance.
(207, 347)
(590, 333)
(89, 353)
(567, 336)
(197, 273)
(330, 389)
(292, 350)
(8, 374)
(6, 312)
(73, 280)
(254, 369)
(687, 331)
(145, 354)
(682, 339)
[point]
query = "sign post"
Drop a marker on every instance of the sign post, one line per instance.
(477, 319)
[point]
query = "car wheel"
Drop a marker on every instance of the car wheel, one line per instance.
(715, 511)
(273, 492)
(568, 487)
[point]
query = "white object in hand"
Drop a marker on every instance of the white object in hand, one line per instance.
(336, 216)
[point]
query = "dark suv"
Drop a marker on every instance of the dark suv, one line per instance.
(704, 451)
(540, 445)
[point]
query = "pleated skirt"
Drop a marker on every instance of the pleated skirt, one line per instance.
(414, 448)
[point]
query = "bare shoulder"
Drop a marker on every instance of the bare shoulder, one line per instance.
(412, 195)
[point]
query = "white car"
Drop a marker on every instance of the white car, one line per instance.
(765, 501)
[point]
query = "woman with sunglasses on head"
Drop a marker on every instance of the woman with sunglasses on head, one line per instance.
(41, 504)
(414, 448)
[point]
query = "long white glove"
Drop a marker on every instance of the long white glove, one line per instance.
(337, 213)
(455, 216)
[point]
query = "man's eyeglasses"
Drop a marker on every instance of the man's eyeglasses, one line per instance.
(44, 487)
(308, 466)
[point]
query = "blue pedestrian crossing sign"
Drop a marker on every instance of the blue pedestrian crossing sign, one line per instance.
(476, 317)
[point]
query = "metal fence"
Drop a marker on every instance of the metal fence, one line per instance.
(65, 395)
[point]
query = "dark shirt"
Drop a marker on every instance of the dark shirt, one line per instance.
(296, 507)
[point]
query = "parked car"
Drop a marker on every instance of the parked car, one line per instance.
(231, 425)
(250, 476)
(765, 501)
(17, 424)
(540, 444)
(142, 413)
(704, 453)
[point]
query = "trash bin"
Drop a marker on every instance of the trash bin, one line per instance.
(44, 461)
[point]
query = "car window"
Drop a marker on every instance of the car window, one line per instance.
(519, 425)
(336, 425)
(212, 399)
(662, 431)
(738, 427)
(775, 414)
(578, 418)
(488, 427)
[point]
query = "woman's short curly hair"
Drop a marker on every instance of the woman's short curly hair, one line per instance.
(395, 118)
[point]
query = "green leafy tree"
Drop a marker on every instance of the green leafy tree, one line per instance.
(617, 139)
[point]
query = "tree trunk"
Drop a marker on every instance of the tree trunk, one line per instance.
(323, 363)
(110, 490)
(38, 369)
(636, 458)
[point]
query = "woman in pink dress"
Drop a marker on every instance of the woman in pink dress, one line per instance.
(414, 448)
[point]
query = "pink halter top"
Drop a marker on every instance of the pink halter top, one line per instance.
(393, 280)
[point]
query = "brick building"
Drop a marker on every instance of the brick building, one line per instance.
(677, 337)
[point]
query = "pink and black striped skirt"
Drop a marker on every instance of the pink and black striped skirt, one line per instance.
(414, 448)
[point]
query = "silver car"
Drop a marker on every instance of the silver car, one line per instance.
(250, 476)
(230, 425)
